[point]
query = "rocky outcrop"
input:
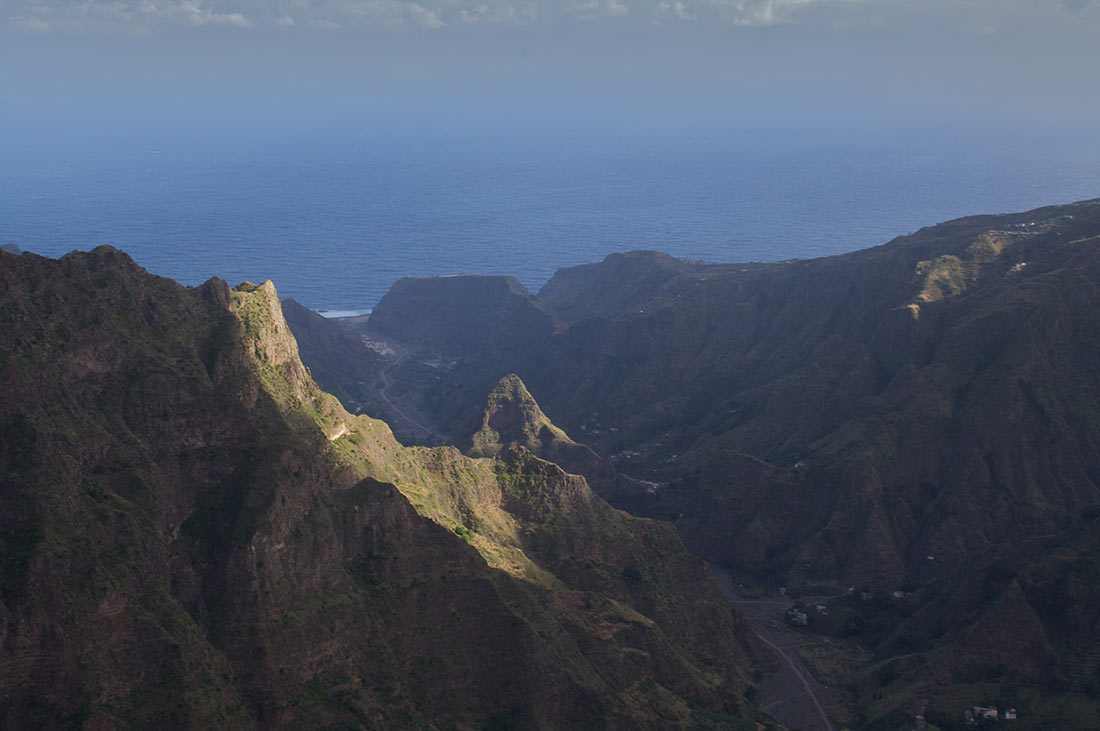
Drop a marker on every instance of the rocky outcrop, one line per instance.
(466, 311)
(513, 419)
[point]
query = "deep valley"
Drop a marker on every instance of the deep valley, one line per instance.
(910, 430)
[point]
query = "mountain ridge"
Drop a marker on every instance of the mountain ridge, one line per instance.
(916, 418)
(193, 534)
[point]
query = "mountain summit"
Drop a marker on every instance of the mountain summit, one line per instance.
(513, 418)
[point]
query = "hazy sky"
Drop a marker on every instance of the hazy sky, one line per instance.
(779, 59)
(149, 17)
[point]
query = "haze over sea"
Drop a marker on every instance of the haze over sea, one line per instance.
(334, 212)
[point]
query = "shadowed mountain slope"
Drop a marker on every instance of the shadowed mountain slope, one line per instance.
(335, 355)
(491, 310)
(617, 286)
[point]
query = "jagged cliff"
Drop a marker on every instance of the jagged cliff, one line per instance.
(194, 535)
(512, 418)
(917, 418)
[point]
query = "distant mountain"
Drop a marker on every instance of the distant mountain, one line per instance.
(918, 419)
(464, 309)
(193, 535)
(615, 287)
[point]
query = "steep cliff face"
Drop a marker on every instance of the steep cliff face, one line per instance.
(193, 535)
(337, 358)
(919, 417)
(935, 394)
(489, 310)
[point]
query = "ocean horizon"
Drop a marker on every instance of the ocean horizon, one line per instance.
(335, 218)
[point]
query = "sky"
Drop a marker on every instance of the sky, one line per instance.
(627, 63)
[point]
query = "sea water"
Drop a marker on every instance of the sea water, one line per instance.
(334, 217)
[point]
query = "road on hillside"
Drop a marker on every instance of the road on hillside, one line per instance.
(406, 414)
(792, 695)
(410, 421)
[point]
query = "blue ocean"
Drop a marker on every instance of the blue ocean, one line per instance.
(335, 215)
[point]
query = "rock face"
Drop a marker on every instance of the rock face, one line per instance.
(920, 417)
(617, 286)
(336, 356)
(193, 535)
(513, 419)
(465, 310)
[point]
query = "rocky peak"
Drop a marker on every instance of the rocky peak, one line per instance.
(265, 331)
(216, 291)
(512, 417)
(514, 423)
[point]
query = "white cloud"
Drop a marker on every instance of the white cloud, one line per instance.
(127, 16)
(521, 13)
(757, 12)
(147, 16)
(420, 15)
(345, 13)
(675, 9)
(599, 8)
(190, 12)
(31, 25)
(235, 19)
(476, 14)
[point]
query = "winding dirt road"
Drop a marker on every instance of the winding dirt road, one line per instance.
(412, 423)
(792, 696)
(409, 421)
